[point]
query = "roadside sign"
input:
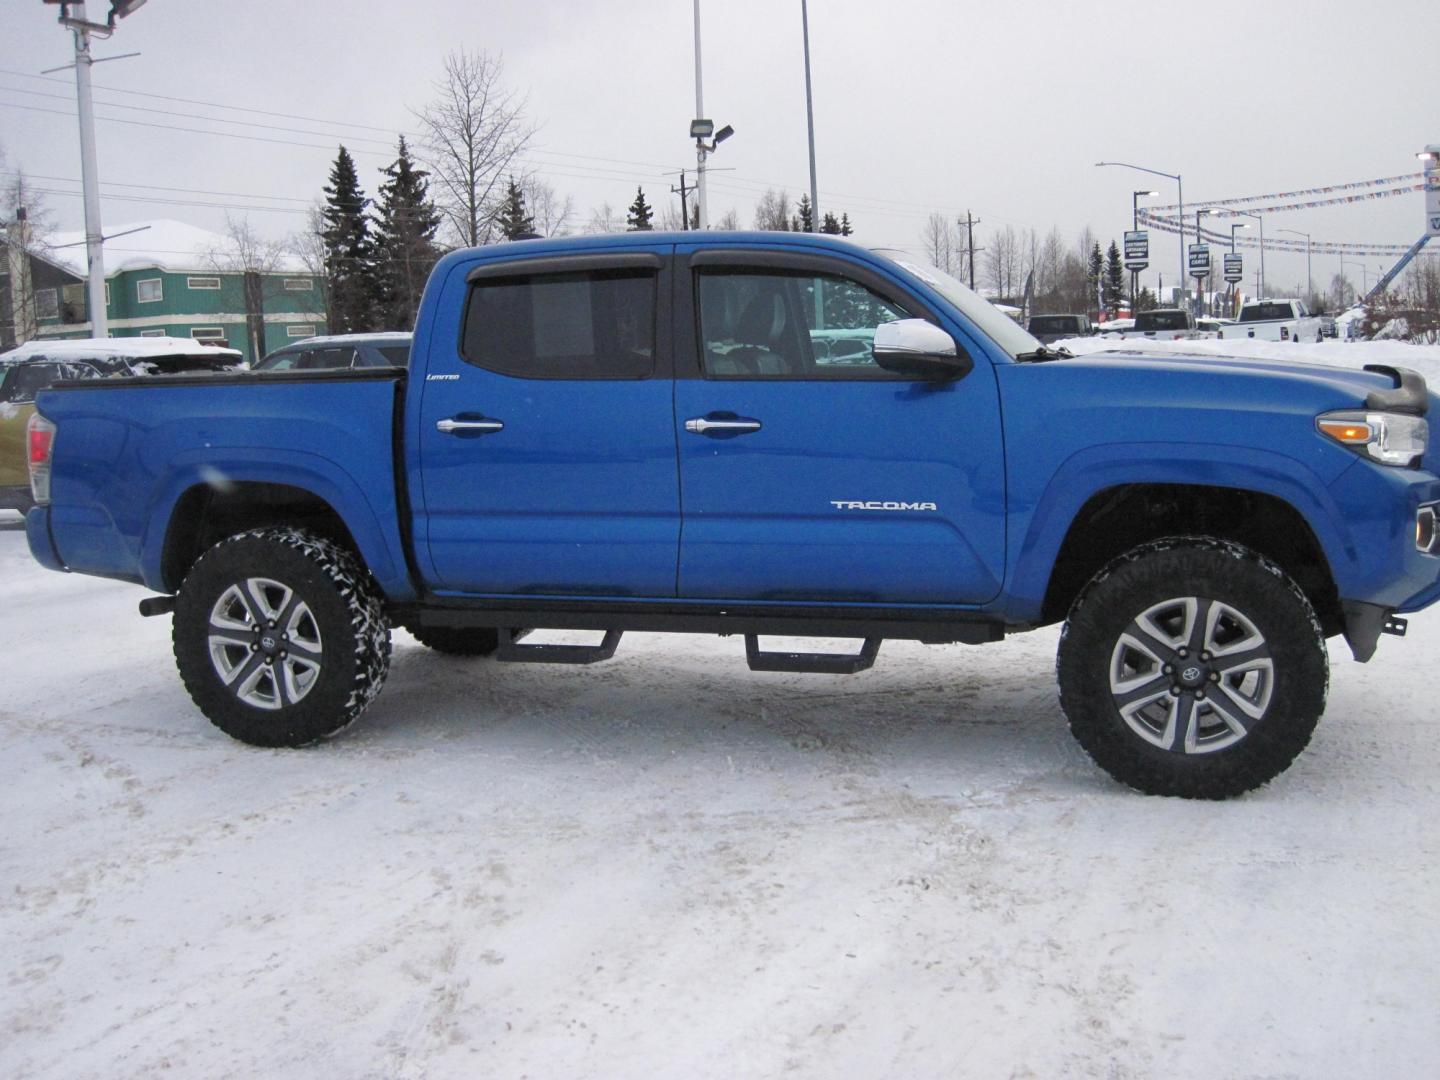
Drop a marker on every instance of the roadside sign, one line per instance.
(1199, 260)
(1234, 268)
(1137, 250)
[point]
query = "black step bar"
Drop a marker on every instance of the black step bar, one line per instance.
(512, 652)
(813, 663)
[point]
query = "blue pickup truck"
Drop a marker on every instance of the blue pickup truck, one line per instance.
(679, 432)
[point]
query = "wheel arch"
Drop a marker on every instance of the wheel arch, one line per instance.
(1119, 518)
(206, 513)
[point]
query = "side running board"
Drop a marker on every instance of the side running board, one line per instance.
(510, 650)
(814, 663)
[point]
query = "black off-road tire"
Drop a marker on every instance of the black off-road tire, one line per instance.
(318, 681)
(1156, 581)
(457, 640)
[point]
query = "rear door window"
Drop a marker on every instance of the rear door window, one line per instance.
(585, 325)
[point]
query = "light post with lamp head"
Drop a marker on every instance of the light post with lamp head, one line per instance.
(1309, 278)
(1180, 191)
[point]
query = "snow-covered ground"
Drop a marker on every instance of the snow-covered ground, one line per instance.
(667, 866)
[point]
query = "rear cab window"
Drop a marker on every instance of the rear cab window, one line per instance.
(588, 324)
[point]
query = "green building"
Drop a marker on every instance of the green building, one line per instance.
(169, 279)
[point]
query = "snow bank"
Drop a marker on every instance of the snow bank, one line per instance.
(125, 348)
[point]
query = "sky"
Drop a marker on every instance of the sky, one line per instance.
(920, 106)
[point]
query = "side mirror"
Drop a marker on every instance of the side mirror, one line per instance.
(919, 349)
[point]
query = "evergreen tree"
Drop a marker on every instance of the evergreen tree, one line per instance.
(1094, 271)
(405, 250)
(639, 213)
(515, 222)
(804, 216)
(845, 229)
(351, 285)
(830, 224)
(1114, 279)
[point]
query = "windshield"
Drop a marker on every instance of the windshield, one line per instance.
(997, 326)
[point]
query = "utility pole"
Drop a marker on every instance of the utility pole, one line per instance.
(683, 192)
(809, 121)
(90, 181)
(72, 15)
(970, 223)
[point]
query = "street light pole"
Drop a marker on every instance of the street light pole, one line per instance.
(809, 120)
(1180, 191)
(704, 220)
(1309, 279)
(1135, 227)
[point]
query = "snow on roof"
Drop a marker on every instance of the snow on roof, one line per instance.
(162, 244)
(102, 348)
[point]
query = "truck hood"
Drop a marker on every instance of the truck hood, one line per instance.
(1281, 385)
(1349, 386)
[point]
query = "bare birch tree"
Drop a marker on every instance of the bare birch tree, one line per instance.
(604, 220)
(939, 240)
(772, 211)
(552, 215)
(472, 132)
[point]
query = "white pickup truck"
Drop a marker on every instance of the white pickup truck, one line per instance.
(1275, 320)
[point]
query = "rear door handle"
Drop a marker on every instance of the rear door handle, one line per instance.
(701, 425)
(456, 427)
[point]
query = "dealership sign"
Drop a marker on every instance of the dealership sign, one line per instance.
(1137, 250)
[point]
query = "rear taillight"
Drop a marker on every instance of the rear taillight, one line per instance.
(1284, 333)
(41, 443)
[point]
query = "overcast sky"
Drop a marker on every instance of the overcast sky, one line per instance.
(920, 105)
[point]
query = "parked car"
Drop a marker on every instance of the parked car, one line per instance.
(1327, 325)
(18, 387)
(1050, 328)
(1200, 526)
(1275, 320)
(36, 365)
(1113, 329)
(340, 351)
(1169, 324)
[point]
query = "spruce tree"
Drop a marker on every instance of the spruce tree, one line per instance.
(405, 250)
(830, 224)
(639, 213)
(845, 229)
(804, 216)
(1114, 288)
(351, 287)
(514, 221)
(1094, 271)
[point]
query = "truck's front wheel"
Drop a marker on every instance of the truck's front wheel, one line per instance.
(1193, 667)
(280, 636)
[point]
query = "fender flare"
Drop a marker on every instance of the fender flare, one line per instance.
(1097, 469)
(374, 529)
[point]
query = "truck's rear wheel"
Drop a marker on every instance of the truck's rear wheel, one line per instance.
(280, 636)
(1193, 667)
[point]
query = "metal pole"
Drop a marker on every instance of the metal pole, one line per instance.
(699, 143)
(90, 181)
(809, 121)
(1261, 220)
(1180, 218)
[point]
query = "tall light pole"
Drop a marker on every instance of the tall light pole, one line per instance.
(809, 120)
(1260, 289)
(1200, 239)
(704, 222)
(1180, 190)
(1309, 280)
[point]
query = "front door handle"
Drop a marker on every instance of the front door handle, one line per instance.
(453, 427)
(701, 425)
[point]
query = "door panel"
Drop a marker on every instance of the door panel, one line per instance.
(856, 486)
(563, 483)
